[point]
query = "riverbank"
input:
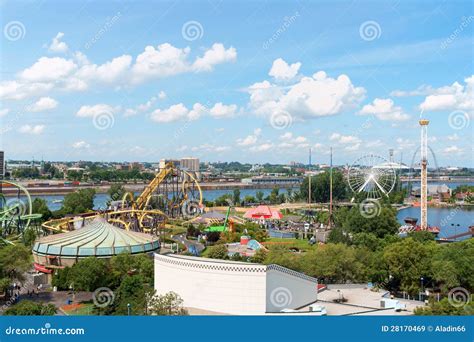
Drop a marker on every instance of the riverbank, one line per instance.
(103, 189)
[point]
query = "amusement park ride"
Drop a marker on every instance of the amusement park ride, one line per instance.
(172, 193)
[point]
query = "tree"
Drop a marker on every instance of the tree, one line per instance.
(132, 291)
(116, 192)
(14, 261)
(78, 202)
(422, 236)
(259, 256)
(259, 194)
(89, 274)
(320, 186)
(385, 222)
(445, 308)
(40, 206)
(169, 304)
(236, 196)
(408, 261)
(218, 252)
(30, 308)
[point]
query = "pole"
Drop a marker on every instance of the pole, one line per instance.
(330, 191)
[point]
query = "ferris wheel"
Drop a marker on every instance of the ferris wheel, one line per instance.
(371, 175)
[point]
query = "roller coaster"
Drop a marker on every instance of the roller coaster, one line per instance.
(173, 193)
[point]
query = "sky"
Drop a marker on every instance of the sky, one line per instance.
(248, 81)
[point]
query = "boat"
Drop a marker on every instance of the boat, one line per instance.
(57, 201)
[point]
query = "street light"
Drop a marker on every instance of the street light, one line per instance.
(421, 281)
(129, 306)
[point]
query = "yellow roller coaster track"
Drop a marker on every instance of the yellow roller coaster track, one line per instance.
(138, 206)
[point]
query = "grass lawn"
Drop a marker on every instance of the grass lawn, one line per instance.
(78, 309)
(290, 243)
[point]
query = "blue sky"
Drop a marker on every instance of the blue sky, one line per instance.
(250, 81)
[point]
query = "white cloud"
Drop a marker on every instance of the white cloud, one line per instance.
(250, 139)
(43, 104)
(310, 97)
(81, 145)
(4, 111)
(28, 129)
(78, 73)
(453, 150)
(344, 139)
(453, 97)
(173, 113)
(217, 54)
(384, 109)
(290, 141)
(141, 107)
(282, 71)
(109, 72)
(94, 110)
(262, 147)
(57, 45)
(15, 90)
(48, 69)
(453, 137)
(221, 110)
(162, 95)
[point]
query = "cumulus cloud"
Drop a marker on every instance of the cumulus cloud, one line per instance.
(77, 73)
(310, 97)
(288, 140)
(250, 139)
(217, 54)
(261, 147)
(43, 104)
(384, 109)
(282, 71)
(28, 129)
(94, 110)
(180, 112)
(57, 45)
(4, 111)
(344, 139)
(80, 145)
(453, 97)
(453, 150)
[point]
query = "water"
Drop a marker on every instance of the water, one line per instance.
(451, 221)
(100, 200)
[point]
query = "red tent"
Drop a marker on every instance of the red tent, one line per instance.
(263, 212)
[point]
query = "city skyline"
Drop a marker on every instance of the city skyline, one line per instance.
(254, 83)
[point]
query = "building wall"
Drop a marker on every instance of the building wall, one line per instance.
(288, 289)
(234, 288)
(213, 285)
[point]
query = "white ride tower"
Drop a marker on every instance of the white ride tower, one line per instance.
(424, 173)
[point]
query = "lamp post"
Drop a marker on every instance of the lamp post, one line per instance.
(129, 306)
(455, 230)
(421, 283)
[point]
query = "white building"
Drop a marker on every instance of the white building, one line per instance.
(231, 287)
(190, 164)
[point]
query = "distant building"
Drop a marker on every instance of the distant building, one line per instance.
(137, 166)
(163, 162)
(190, 164)
(436, 191)
(269, 180)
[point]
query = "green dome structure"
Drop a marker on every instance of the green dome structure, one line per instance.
(98, 239)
